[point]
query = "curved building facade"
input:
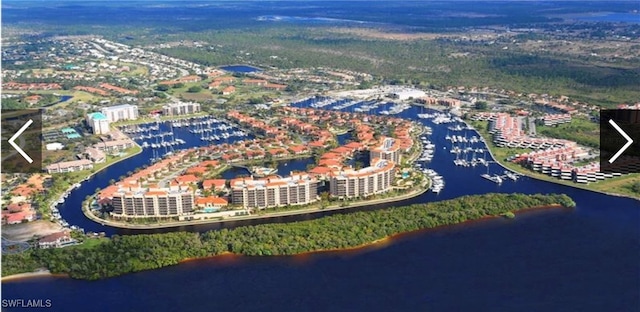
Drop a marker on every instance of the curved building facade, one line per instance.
(297, 189)
(375, 179)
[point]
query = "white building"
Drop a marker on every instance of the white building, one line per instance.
(350, 183)
(55, 146)
(180, 108)
(98, 123)
(121, 112)
(143, 202)
(406, 93)
(297, 189)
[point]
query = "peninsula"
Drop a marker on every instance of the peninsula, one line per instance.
(125, 254)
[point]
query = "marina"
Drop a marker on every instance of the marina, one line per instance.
(566, 226)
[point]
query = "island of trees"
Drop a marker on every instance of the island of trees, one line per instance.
(125, 254)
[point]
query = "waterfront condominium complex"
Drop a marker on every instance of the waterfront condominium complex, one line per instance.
(389, 149)
(98, 123)
(350, 183)
(297, 189)
(120, 112)
(136, 202)
(180, 108)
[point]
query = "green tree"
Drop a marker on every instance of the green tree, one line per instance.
(481, 105)
(194, 89)
(162, 88)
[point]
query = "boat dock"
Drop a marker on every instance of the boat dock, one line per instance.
(497, 178)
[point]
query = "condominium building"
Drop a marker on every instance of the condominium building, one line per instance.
(137, 202)
(180, 108)
(98, 122)
(297, 189)
(349, 183)
(120, 112)
(555, 119)
(69, 166)
(389, 149)
(114, 145)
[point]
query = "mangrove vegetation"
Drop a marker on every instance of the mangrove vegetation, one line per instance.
(133, 253)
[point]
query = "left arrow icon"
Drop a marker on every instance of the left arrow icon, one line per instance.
(15, 136)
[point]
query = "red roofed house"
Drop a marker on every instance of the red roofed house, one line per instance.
(228, 90)
(216, 184)
(186, 179)
(211, 202)
(254, 82)
(298, 149)
(17, 217)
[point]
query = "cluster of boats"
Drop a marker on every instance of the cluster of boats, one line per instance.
(440, 118)
(345, 105)
(437, 183)
(209, 128)
(163, 143)
(200, 129)
(463, 139)
(428, 149)
(139, 128)
(396, 109)
(471, 163)
(500, 178)
(223, 135)
(367, 107)
(322, 103)
(55, 213)
(194, 121)
(150, 135)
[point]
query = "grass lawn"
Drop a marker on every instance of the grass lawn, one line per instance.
(91, 243)
(198, 96)
(78, 96)
(77, 176)
(619, 185)
(580, 129)
(148, 119)
(139, 70)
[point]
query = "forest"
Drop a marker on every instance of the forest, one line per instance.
(231, 34)
(133, 253)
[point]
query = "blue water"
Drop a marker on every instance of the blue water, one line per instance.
(613, 17)
(582, 259)
(64, 98)
(240, 68)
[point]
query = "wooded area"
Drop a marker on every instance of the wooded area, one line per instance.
(133, 253)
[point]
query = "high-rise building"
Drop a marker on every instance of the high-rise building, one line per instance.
(121, 112)
(389, 149)
(180, 108)
(136, 202)
(98, 123)
(349, 183)
(297, 189)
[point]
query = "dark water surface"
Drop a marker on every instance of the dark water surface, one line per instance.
(582, 259)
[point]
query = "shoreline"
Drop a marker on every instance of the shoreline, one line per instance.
(27, 275)
(378, 243)
(304, 211)
(529, 175)
(375, 244)
(71, 187)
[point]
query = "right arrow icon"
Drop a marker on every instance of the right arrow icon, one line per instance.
(626, 137)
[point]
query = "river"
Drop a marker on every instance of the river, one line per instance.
(585, 258)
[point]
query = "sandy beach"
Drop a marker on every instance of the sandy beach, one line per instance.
(25, 231)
